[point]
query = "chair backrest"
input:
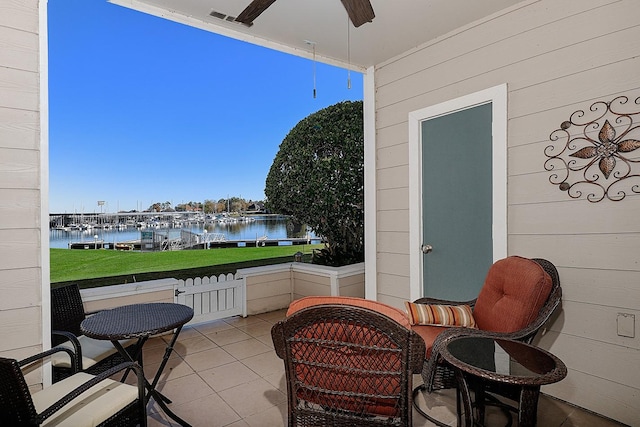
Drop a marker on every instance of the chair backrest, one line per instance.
(16, 405)
(347, 365)
(518, 294)
(67, 311)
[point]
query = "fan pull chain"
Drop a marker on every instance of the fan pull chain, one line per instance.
(314, 71)
(313, 47)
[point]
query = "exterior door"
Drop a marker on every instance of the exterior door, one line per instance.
(459, 216)
(457, 202)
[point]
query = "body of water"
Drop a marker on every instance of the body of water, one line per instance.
(257, 227)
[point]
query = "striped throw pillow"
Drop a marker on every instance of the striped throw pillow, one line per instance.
(440, 315)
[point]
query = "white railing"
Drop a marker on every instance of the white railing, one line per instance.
(212, 298)
(251, 291)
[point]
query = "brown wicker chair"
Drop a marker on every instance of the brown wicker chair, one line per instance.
(93, 356)
(347, 365)
(79, 400)
(514, 272)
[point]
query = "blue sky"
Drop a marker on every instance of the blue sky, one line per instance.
(145, 110)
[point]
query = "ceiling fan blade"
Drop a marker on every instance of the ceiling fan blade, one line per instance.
(251, 12)
(359, 11)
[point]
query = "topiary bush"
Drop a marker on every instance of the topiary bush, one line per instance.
(317, 177)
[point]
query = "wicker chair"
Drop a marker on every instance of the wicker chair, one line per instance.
(347, 363)
(93, 356)
(77, 401)
(514, 277)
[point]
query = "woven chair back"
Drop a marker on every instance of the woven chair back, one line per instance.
(347, 365)
(67, 311)
(16, 406)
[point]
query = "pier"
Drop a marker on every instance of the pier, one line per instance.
(137, 245)
(99, 244)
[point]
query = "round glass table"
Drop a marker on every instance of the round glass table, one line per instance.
(500, 365)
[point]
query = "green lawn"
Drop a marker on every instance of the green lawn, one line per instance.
(70, 265)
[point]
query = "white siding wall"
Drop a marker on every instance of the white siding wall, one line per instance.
(556, 57)
(20, 255)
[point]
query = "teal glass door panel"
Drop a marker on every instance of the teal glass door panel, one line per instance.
(457, 202)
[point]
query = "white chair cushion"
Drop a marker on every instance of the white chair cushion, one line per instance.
(93, 351)
(90, 408)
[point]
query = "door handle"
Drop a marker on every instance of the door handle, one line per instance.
(426, 249)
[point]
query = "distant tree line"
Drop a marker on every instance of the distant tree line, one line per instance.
(232, 204)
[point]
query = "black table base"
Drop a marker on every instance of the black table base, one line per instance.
(158, 397)
(505, 367)
(140, 321)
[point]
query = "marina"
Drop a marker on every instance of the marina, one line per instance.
(177, 231)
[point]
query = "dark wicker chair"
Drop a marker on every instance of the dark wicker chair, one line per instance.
(93, 356)
(347, 365)
(438, 375)
(79, 400)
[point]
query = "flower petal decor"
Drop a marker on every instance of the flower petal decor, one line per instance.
(593, 154)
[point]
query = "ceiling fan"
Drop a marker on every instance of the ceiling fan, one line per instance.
(359, 11)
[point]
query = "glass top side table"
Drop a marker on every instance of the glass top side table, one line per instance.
(480, 362)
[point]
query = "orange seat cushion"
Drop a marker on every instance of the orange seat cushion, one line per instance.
(428, 334)
(513, 293)
(389, 311)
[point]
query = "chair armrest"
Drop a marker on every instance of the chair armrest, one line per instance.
(77, 348)
(431, 364)
(278, 339)
(525, 335)
(428, 300)
(416, 357)
(92, 382)
(49, 352)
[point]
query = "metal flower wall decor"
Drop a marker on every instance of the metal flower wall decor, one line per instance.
(596, 153)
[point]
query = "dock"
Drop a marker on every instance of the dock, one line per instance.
(263, 242)
(93, 244)
(136, 245)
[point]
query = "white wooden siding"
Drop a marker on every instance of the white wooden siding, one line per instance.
(20, 14)
(267, 288)
(19, 168)
(20, 171)
(310, 284)
(556, 57)
(19, 89)
(19, 129)
(19, 208)
(17, 49)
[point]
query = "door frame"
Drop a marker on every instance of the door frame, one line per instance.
(497, 96)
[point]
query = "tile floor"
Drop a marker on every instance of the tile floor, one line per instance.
(226, 373)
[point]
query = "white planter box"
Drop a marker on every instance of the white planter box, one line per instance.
(273, 287)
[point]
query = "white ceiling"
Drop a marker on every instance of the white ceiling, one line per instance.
(289, 25)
